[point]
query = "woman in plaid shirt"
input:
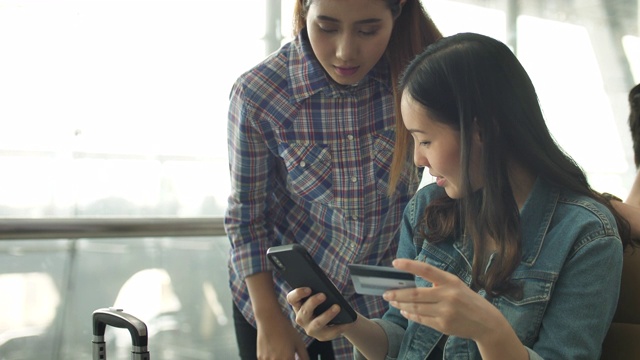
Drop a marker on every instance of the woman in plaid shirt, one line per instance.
(311, 135)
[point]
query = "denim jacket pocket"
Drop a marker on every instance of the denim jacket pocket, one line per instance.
(525, 309)
(309, 171)
(435, 257)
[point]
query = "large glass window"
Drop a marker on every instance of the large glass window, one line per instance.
(119, 107)
(583, 59)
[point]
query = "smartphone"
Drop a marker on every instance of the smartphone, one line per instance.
(297, 268)
(375, 280)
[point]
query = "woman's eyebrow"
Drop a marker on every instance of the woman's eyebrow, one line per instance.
(359, 22)
(416, 131)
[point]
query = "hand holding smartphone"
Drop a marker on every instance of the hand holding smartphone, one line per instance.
(297, 268)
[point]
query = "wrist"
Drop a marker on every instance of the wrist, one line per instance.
(501, 339)
(269, 318)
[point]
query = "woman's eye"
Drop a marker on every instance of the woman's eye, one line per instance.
(327, 29)
(368, 32)
(425, 143)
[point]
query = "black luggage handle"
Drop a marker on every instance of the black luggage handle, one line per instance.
(120, 319)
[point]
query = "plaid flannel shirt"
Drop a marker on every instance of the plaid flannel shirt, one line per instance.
(309, 162)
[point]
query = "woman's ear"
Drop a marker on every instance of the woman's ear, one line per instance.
(400, 6)
(486, 131)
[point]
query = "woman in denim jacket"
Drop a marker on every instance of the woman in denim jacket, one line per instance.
(515, 256)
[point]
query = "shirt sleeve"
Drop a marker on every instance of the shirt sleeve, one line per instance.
(587, 293)
(250, 161)
(394, 332)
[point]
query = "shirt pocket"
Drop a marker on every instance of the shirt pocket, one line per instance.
(383, 144)
(525, 310)
(440, 259)
(308, 171)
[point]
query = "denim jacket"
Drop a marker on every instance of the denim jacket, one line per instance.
(570, 274)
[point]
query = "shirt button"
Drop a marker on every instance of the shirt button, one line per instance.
(350, 137)
(303, 163)
(354, 179)
(354, 217)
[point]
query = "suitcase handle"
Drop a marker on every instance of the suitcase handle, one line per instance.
(120, 319)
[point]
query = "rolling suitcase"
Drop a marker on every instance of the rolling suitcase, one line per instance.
(120, 319)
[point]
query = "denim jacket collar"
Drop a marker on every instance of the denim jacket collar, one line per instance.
(536, 215)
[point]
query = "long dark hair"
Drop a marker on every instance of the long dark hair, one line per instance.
(468, 80)
(634, 122)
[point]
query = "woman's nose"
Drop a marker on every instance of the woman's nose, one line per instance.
(420, 160)
(346, 49)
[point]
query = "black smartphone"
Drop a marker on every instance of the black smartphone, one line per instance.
(375, 280)
(296, 266)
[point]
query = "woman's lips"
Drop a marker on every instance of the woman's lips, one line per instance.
(346, 71)
(440, 181)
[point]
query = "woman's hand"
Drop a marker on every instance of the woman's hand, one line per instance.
(279, 340)
(363, 333)
(450, 306)
(315, 326)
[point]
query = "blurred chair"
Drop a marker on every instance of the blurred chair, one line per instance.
(623, 339)
(149, 296)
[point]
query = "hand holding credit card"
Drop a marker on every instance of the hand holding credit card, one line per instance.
(375, 280)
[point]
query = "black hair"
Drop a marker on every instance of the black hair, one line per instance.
(634, 122)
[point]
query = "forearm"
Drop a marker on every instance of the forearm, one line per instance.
(368, 337)
(634, 195)
(277, 337)
(502, 340)
(263, 297)
(631, 213)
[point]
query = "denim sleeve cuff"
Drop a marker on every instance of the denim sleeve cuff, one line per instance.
(533, 355)
(394, 332)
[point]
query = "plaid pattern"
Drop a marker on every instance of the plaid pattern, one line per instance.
(309, 162)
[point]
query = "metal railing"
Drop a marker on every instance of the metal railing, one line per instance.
(71, 274)
(75, 228)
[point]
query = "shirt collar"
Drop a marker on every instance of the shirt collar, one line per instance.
(536, 215)
(307, 76)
